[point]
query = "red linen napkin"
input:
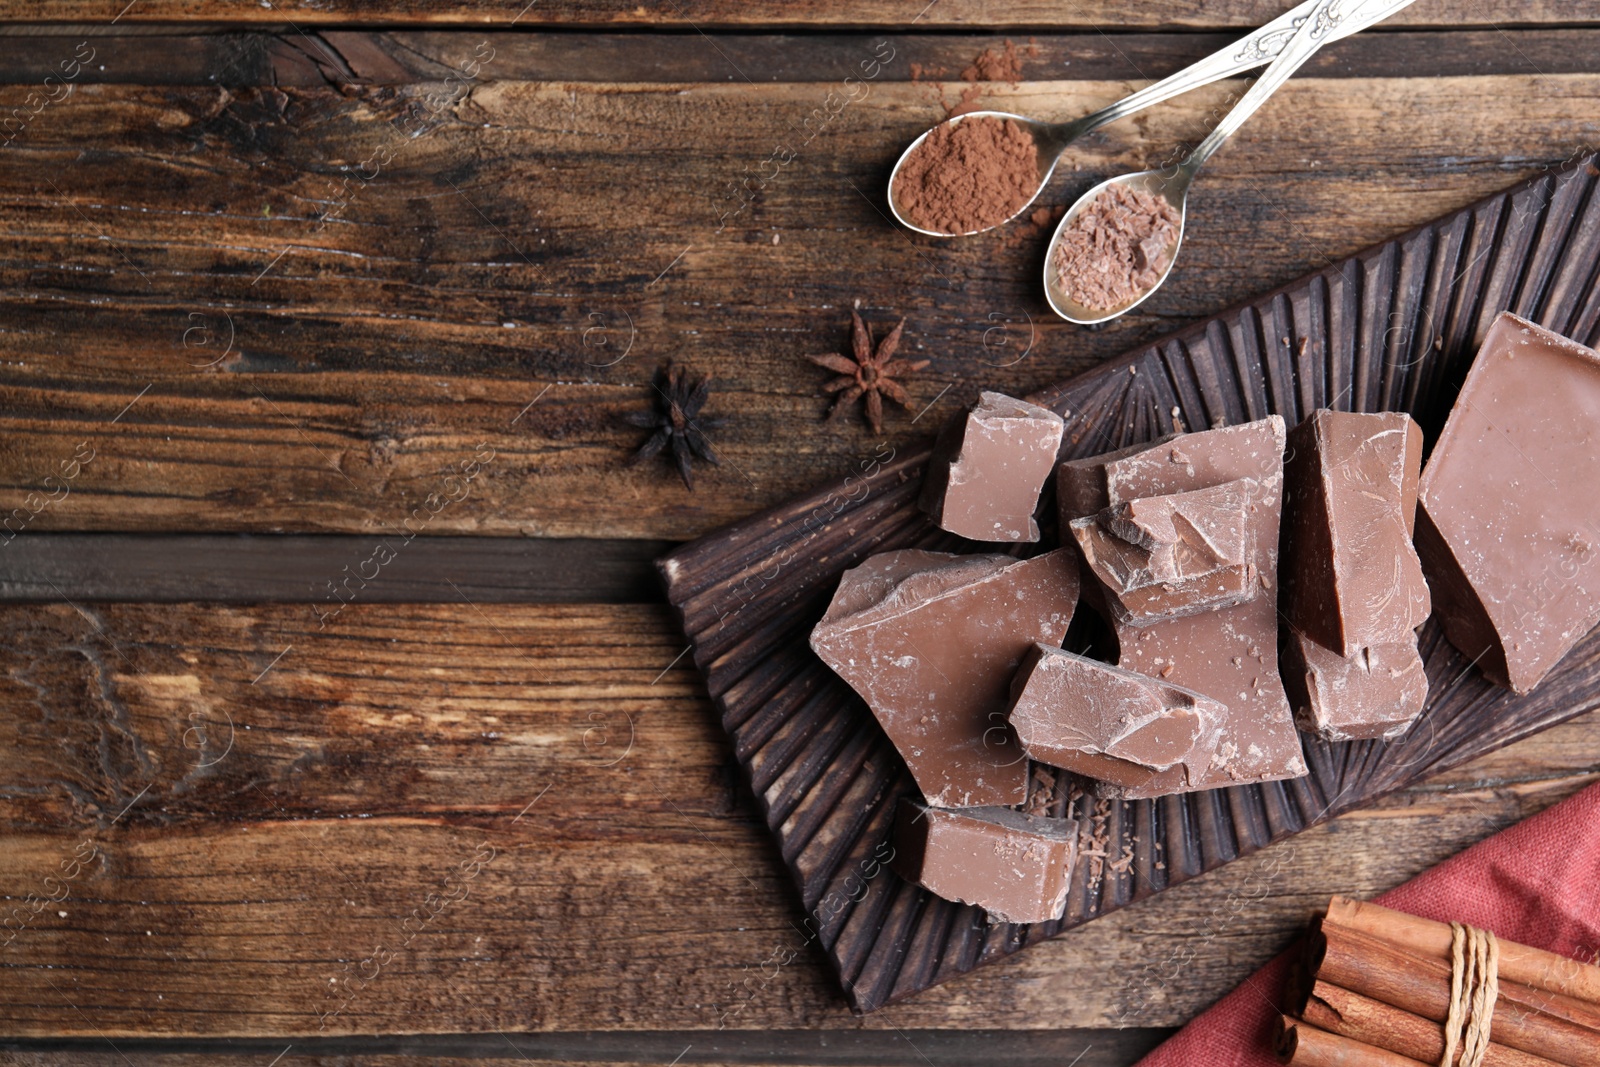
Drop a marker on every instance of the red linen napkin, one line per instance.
(1537, 883)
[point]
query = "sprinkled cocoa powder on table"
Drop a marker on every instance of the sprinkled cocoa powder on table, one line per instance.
(1116, 248)
(968, 176)
(999, 63)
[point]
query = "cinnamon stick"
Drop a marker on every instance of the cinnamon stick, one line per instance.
(1377, 969)
(1306, 1046)
(1559, 1005)
(1372, 1022)
(1520, 963)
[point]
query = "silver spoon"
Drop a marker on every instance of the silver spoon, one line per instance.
(1053, 138)
(1328, 21)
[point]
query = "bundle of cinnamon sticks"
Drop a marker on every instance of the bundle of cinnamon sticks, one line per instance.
(1374, 990)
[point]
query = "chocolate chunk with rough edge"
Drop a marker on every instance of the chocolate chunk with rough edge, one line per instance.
(1230, 654)
(1124, 729)
(1163, 557)
(989, 467)
(1351, 578)
(930, 641)
(1376, 693)
(1016, 867)
(1510, 516)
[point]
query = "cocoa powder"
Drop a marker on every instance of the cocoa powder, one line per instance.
(1116, 248)
(999, 63)
(968, 175)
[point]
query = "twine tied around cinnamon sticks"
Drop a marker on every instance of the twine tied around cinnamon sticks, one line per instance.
(1474, 987)
(1380, 988)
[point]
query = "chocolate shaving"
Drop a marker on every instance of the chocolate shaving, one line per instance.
(1116, 248)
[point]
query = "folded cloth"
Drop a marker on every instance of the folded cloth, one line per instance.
(1536, 883)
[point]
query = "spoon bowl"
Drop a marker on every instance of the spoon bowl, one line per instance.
(1173, 186)
(1327, 20)
(1047, 138)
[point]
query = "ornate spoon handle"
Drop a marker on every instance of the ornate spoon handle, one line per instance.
(1259, 47)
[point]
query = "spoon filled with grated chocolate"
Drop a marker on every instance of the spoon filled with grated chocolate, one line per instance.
(982, 169)
(1117, 244)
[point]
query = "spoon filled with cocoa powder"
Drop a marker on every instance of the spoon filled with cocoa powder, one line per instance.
(981, 169)
(1117, 244)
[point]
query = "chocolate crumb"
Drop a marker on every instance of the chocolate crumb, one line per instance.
(1116, 248)
(968, 175)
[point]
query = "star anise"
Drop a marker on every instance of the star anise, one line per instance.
(672, 413)
(869, 374)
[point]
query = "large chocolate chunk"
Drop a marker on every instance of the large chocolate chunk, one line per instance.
(1377, 692)
(930, 641)
(1115, 726)
(1510, 513)
(1353, 587)
(1351, 577)
(1231, 654)
(989, 467)
(1163, 557)
(1017, 867)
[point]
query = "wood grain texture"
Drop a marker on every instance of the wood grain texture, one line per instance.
(643, 894)
(239, 58)
(307, 351)
(719, 14)
(795, 1048)
(343, 814)
(245, 569)
(1393, 328)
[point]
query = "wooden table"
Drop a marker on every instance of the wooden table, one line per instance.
(342, 721)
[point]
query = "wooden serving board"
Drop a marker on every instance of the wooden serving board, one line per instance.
(1392, 328)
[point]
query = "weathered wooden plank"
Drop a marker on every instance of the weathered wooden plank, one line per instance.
(244, 569)
(400, 57)
(718, 14)
(794, 1048)
(260, 833)
(370, 357)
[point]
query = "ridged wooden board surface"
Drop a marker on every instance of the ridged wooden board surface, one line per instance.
(1392, 328)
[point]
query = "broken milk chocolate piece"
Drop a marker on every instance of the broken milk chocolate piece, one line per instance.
(989, 467)
(930, 641)
(1510, 516)
(1230, 654)
(1375, 693)
(1164, 557)
(1351, 577)
(1353, 590)
(1016, 867)
(1113, 725)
